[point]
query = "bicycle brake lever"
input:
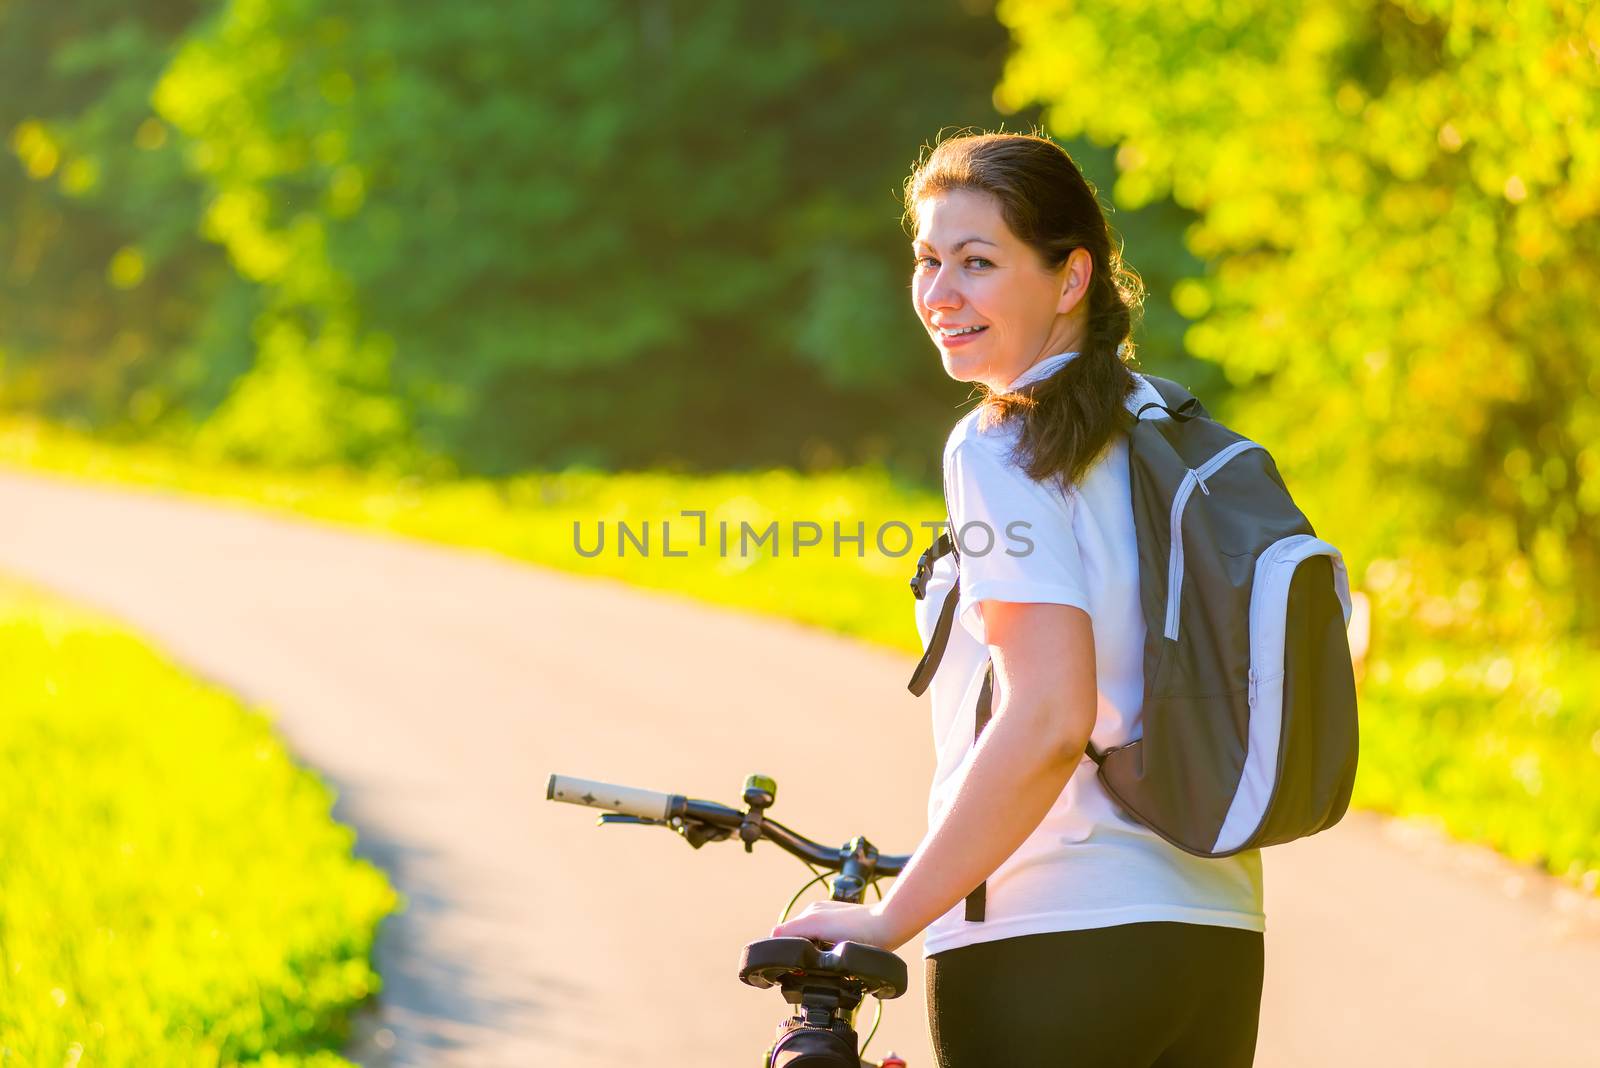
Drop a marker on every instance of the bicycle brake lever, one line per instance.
(695, 833)
(617, 817)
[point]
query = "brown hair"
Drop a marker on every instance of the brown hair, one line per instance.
(1068, 418)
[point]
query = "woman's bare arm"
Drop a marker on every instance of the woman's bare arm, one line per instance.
(1045, 698)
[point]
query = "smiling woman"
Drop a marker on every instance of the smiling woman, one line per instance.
(1013, 262)
(1059, 929)
(987, 300)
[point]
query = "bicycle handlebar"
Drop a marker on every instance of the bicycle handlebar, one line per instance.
(629, 800)
(653, 806)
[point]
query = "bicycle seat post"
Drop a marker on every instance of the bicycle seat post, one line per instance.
(826, 987)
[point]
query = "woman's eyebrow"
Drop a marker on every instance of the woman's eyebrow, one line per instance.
(959, 244)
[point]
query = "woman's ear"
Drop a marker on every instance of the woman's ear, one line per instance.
(1075, 276)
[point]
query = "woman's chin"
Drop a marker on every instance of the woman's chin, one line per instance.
(961, 366)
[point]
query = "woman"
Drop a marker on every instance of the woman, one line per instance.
(1099, 942)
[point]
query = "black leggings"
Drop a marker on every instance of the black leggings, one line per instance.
(1137, 995)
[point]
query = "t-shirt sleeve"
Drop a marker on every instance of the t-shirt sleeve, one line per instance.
(1015, 535)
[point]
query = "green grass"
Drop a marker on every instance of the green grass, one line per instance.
(172, 887)
(1500, 745)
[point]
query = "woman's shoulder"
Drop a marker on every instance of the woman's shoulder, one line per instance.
(973, 433)
(981, 459)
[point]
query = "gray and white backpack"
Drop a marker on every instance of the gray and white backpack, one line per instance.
(1249, 721)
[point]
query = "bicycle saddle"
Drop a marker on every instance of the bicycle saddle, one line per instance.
(880, 973)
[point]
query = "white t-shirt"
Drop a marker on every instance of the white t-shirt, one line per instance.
(1087, 864)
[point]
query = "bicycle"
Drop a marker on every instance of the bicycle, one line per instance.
(826, 985)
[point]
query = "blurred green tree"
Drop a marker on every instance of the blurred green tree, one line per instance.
(1399, 205)
(113, 310)
(613, 232)
(623, 233)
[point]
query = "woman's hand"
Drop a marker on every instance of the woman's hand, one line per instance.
(839, 921)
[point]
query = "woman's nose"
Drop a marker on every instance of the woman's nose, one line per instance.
(941, 293)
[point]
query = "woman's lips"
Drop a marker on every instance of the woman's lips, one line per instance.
(958, 340)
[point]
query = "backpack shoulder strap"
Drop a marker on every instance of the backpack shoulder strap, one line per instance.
(1177, 398)
(977, 901)
(923, 675)
(946, 544)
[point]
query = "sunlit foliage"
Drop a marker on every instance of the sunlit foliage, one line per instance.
(114, 310)
(470, 235)
(487, 231)
(172, 889)
(1399, 206)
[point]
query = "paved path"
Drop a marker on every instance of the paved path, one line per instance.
(437, 688)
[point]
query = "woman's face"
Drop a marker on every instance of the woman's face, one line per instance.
(972, 271)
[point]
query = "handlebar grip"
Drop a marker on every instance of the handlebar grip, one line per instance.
(647, 804)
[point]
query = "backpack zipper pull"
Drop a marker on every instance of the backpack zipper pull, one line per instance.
(1202, 483)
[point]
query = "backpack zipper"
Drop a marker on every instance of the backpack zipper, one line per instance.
(1195, 476)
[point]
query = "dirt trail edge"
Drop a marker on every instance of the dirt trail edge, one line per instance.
(436, 689)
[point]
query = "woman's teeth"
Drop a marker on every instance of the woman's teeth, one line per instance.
(961, 331)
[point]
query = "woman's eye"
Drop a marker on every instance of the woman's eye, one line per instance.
(972, 261)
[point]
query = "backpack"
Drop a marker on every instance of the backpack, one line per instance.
(1249, 720)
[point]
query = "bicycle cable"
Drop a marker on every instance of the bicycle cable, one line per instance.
(817, 878)
(877, 1002)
